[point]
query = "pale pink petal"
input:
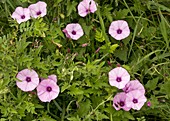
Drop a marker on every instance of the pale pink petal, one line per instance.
(119, 37)
(122, 24)
(119, 102)
(126, 32)
(126, 79)
(55, 88)
(32, 85)
(66, 33)
(21, 76)
(29, 73)
(93, 7)
(118, 77)
(46, 95)
(42, 8)
(77, 27)
(15, 15)
(41, 88)
(25, 84)
(119, 29)
(74, 30)
(38, 9)
(114, 26)
(27, 14)
(53, 77)
(21, 14)
(19, 10)
(45, 82)
(22, 85)
(53, 95)
(134, 85)
(82, 7)
(135, 95)
(33, 9)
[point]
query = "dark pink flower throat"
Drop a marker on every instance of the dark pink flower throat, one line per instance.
(23, 16)
(118, 79)
(119, 31)
(121, 103)
(135, 101)
(73, 32)
(39, 12)
(28, 79)
(49, 89)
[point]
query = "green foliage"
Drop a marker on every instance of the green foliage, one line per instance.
(99, 36)
(82, 72)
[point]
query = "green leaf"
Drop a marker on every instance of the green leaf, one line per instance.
(151, 84)
(100, 116)
(65, 86)
(74, 118)
(99, 36)
(128, 115)
(113, 47)
(70, 7)
(165, 88)
(121, 13)
(75, 90)
(84, 108)
(121, 53)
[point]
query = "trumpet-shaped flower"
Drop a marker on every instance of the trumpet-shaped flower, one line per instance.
(28, 80)
(134, 85)
(119, 77)
(135, 99)
(47, 90)
(86, 6)
(119, 102)
(119, 29)
(38, 9)
(73, 31)
(21, 14)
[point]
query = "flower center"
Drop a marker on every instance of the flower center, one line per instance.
(73, 32)
(38, 13)
(118, 79)
(49, 89)
(23, 16)
(119, 31)
(87, 10)
(135, 101)
(121, 103)
(28, 79)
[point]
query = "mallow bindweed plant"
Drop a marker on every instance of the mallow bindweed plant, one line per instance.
(84, 60)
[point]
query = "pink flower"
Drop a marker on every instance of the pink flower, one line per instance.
(85, 7)
(29, 80)
(21, 14)
(149, 104)
(119, 29)
(98, 49)
(119, 102)
(84, 45)
(134, 85)
(38, 9)
(66, 33)
(53, 77)
(73, 31)
(119, 77)
(135, 99)
(47, 90)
